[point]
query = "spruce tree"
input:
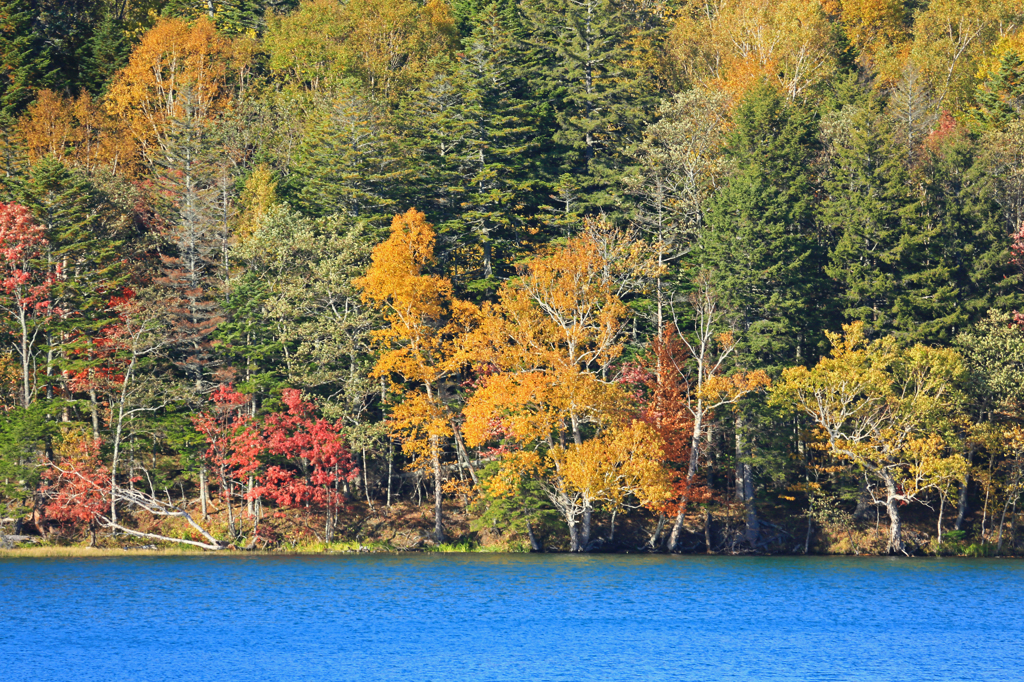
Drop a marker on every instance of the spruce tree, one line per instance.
(1000, 99)
(582, 65)
(870, 209)
(22, 65)
(762, 246)
(959, 265)
(350, 161)
(474, 139)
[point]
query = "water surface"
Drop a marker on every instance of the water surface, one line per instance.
(510, 617)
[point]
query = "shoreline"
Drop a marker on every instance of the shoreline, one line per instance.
(74, 551)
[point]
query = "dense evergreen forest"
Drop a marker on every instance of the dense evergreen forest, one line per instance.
(689, 275)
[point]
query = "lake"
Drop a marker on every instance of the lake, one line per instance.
(510, 617)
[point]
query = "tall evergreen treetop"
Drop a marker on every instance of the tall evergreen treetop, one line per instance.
(762, 246)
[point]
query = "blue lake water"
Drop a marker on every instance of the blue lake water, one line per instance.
(510, 617)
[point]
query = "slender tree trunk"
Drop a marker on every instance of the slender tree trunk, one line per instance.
(249, 506)
(390, 462)
(988, 490)
(707, 530)
(366, 481)
(94, 412)
(656, 535)
(961, 508)
(942, 504)
(203, 492)
(460, 447)
(1011, 497)
(691, 473)
(438, 520)
(745, 482)
(535, 546)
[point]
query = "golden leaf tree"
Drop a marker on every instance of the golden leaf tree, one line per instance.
(177, 72)
(733, 45)
(886, 410)
(422, 345)
(552, 394)
(76, 131)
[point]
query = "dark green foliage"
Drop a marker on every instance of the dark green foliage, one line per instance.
(350, 162)
(582, 64)
(475, 140)
(870, 209)
(761, 245)
(104, 53)
(23, 67)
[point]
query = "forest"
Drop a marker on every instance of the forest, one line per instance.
(571, 275)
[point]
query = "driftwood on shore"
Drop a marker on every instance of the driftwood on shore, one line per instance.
(9, 541)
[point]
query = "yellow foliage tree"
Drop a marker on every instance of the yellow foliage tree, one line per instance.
(732, 44)
(422, 344)
(177, 71)
(886, 410)
(388, 44)
(75, 131)
(258, 196)
(549, 347)
(952, 39)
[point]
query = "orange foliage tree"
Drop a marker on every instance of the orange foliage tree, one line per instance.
(422, 344)
(553, 395)
(76, 131)
(177, 72)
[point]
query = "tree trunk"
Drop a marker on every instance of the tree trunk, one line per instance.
(895, 523)
(463, 456)
(438, 520)
(707, 530)
(535, 546)
(656, 535)
(585, 539)
(204, 493)
(366, 482)
(745, 482)
(961, 508)
(574, 536)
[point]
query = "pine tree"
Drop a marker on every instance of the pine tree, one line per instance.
(959, 265)
(473, 138)
(86, 253)
(104, 54)
(22, 65)
(1000, 99)
(349, 162)
(193, 263)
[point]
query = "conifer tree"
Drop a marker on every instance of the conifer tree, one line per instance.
(1000, 99)
(22, 66)
(474, 138)
(762, 243)
(583, 66)
(871, 208)
(349, 162)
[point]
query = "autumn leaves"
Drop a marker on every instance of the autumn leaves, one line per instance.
(534, 373)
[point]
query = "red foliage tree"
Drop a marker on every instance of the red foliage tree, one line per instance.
(229, 450)
(77, 484)
(25, 284)
(666, 410)
(315, 450)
